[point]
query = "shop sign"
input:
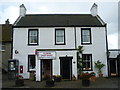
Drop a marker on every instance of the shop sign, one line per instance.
(46, 55)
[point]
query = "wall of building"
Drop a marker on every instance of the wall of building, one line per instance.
(47, 41)
(98, 46)
(6, 55)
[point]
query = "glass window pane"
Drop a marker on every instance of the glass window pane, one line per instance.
(60, 33)
(31, 62)
(3, 46)
(60, 39)
(85, 32)
(86, 38)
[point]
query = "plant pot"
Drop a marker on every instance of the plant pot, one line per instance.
(100, 75)
(86, 82)
(92, 78)
(19, 82)
(50, 83)
(57, 79)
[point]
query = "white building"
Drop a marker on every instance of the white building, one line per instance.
(47, 43)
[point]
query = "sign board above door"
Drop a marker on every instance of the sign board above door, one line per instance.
(46, 54)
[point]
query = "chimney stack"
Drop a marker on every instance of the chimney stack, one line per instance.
(7, 21)
(94, 10)
(22, 10)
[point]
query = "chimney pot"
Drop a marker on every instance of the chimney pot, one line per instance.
(7, 21)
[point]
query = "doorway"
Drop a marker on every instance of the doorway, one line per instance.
(113, 67)
(46, 68)
(66, 67)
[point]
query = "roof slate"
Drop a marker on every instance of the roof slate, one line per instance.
(46, 20)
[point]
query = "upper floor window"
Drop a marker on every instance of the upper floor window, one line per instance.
(87, 62)
(60, 36)
(31, 62)
(85, 36)
(2, 46)
(33, 37)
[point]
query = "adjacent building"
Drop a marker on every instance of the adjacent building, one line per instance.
(5, 44)
(47, 43)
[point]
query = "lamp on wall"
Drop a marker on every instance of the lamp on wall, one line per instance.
(16, 51)
(74, 62)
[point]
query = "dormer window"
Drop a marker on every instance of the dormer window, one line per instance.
(33, 37)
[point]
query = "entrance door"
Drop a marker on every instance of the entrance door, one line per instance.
(46, 68)
(113, 68)
(66, 67)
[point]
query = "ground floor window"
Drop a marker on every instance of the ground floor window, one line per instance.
(87, 62)
(31, 62)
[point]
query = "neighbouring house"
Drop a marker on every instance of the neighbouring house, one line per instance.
(46, 44)
(114, 62)
(5, 44)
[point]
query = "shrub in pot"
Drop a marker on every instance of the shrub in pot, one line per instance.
(57, 78)
(49, 81)
(99, 65)
(19, 80)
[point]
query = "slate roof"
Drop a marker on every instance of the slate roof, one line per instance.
(48, 20)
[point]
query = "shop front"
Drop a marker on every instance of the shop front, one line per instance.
(56, 63)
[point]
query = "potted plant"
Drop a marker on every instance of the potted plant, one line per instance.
(49, 81)
(99, 65)
(93, 76)
(79, 57)
(85, 78)
(19, 80)
(57, 78)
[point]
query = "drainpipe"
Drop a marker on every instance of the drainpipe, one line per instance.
(107, 49)
(75, 37)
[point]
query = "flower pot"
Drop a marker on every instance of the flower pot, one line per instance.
(100, 75)
(57, 79)
(19, 82)
(93, 78)
(86, 82)
(50, 83)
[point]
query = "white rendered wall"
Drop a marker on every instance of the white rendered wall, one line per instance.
(97, 48)
(46, 41)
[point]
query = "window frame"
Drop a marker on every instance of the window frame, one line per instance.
(2, 44)
(56, 43)
(29, 37)
(29, 62)
(90, 62)
(86, 43)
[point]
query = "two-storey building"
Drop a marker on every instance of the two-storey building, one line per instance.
(47, 43)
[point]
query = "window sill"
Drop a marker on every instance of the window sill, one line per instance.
(87, 69)
(86, 43)
(60, 44)
(32, 44)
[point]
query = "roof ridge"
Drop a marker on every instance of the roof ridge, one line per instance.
(54, 14)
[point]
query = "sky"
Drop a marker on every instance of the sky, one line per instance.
(107, 10)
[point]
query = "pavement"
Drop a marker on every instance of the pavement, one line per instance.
(99, 83)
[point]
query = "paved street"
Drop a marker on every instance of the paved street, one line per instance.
(99, 83)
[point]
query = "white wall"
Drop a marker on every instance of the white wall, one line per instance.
(47, 41)
(98, 46)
